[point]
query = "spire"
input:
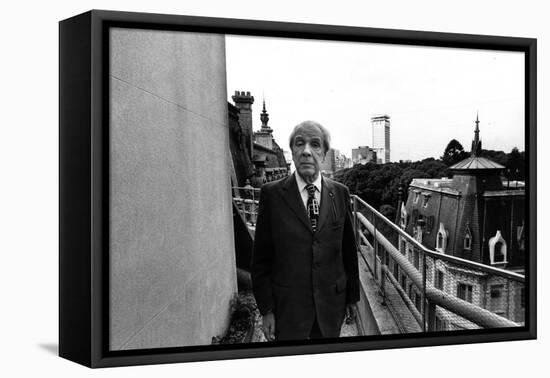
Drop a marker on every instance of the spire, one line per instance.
(476, 143)
(264, 117)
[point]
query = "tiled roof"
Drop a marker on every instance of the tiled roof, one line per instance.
(476, 162)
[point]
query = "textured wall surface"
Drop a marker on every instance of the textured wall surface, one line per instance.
(172, 264)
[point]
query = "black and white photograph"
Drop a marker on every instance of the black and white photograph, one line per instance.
(272, 189)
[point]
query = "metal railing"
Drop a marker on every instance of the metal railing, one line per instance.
(440, 291)
(246, 200)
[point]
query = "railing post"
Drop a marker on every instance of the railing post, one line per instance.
(253, 209)
(356, 223)
(431, 316)
(375, 246)
(424, 307)
(383, 272)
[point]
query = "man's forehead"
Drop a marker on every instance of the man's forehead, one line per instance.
(309, 131)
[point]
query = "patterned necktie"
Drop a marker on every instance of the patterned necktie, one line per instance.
(312, 206)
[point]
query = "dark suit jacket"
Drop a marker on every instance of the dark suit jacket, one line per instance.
(299, 274)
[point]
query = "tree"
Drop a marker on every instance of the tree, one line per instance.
(388, 211)
(454, 152)
(515, 165)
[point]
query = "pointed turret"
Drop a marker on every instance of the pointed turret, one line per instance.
(476, 143)
(264, 117)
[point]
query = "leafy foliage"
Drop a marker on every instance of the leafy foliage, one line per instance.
(454, 152)
(378, 184)
(243, 307)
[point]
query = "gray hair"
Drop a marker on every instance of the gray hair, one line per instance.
(324, 132)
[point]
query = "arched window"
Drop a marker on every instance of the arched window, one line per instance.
(441, 240)
(497, 249)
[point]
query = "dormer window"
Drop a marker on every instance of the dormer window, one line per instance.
(467, 242)
(497, 249)
(425, 199)
(416, 196)
(403, 222)
(441, 240)
(468, 239)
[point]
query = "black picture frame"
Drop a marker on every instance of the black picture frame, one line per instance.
(84, 167)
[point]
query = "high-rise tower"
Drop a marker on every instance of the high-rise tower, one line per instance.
(381, 137)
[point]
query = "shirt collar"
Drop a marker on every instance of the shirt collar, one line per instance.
(302, 184)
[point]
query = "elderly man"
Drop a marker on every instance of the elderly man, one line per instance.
(304, 267)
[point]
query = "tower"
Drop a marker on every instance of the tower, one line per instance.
(476, 143)
(243, 101)
(265, 135)
(381, 137)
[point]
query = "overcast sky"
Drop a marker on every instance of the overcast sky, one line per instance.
(431, 94)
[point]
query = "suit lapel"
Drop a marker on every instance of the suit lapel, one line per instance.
(326, 203)
(293, 199)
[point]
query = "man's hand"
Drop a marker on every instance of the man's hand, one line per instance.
(351, 313)
(268, 325)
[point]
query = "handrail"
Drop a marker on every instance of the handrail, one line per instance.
(438, 255)
(467, 310)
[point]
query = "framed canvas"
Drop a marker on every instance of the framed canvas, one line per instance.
(235, 188)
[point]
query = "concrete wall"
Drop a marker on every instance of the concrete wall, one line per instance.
(172, 264)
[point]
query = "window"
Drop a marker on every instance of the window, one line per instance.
(404, 282)
(439, 324)
(499, 255)
(418, 233)
(468, 239)
(403, 217)
(395, 270)
(416, 197)
(441, 240)
(439, 279)
(418, 301)
(464, 291)
(496, 299)
(416, 259)
(426, 199)
(497, 249)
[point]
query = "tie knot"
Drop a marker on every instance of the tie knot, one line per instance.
(310, 190)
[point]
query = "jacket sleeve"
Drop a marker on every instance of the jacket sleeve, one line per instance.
(262, 256)
(349, 251)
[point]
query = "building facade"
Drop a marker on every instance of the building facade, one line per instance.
(476, 216)
(334, 162)
(363, 155)
(381, 137)
(266, 159)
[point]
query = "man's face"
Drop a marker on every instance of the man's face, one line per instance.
(308, 152)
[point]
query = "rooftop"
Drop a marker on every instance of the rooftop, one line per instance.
(476, 162)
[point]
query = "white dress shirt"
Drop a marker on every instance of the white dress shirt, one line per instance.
(303, 192)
